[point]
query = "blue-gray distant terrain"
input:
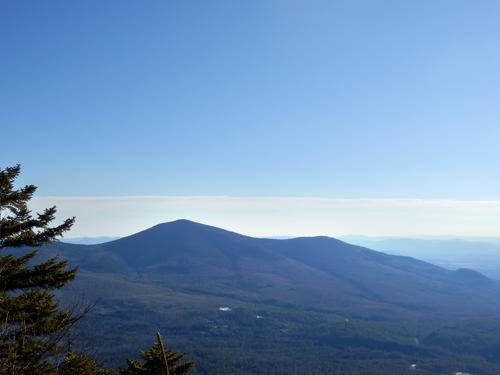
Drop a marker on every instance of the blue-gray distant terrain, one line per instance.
(88, 240)
(479, 253)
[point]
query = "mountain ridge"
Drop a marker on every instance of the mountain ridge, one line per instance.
(321, 270)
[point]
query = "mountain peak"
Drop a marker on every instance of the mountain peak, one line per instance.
(182, 223)
(177, 222)
(185, 226)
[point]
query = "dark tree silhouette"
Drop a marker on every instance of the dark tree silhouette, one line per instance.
(31, 321)
(158, 361)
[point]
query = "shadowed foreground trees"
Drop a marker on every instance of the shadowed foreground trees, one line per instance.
(32, 324)
(31, 321)
(75, 364)
(158, 361)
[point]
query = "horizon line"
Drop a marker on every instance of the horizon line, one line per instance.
(260, 216)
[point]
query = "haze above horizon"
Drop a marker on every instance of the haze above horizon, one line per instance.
(265, 102)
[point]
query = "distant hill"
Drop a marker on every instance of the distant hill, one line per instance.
(88, 240)
(312, 294)
(481, 254)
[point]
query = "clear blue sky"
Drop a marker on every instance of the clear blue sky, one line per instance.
(342, 99)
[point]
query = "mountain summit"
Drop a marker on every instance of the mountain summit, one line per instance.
(309, 272)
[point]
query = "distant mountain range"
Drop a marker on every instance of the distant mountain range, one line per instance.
(88, 240)
(179, 275)
(479, 253)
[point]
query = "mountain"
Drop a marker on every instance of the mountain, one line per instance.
(318, 272)
(205, 287)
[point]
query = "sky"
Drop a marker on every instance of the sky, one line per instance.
(274, 101)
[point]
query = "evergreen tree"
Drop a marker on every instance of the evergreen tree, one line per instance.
(75, 364)
(158, 361)
(31, 321)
